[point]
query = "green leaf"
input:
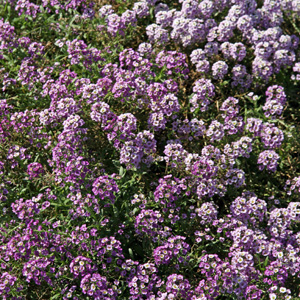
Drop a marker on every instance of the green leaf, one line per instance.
(266, 262)
(130, 253)
(56, 296)
(122, 171)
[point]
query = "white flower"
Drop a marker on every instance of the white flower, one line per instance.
(272, 296)
(279, 254)
(282, 290)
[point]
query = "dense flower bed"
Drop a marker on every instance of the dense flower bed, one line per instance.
(149, 150)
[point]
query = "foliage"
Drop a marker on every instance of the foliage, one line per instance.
(149, 150)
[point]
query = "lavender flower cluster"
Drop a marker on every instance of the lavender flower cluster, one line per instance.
(148, 149)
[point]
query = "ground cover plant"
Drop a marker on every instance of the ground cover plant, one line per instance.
(149, 149)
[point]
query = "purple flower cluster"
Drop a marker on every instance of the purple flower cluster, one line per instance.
(207, 213)
(34, 170)
(189, 130)
(233, 123)
(176, 286)
(7, 281)
(94, 285)
(296, 69)
(292, 186)
(156, 34)
(268, 159)
(35, 269)
(31, 9)
(78, 51)
(241, 78)
(275, 101)
(104, 187)
(173, 252)
(174, 61)
(249, 209)
(215, 131)
(145, 282)
(219, 69)
(175, 154)
(254, 126)
(271, 136)
(139, 150)
(131, 146)
(28, 208)
(218, 276)
(203, 92)
(150, 223)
